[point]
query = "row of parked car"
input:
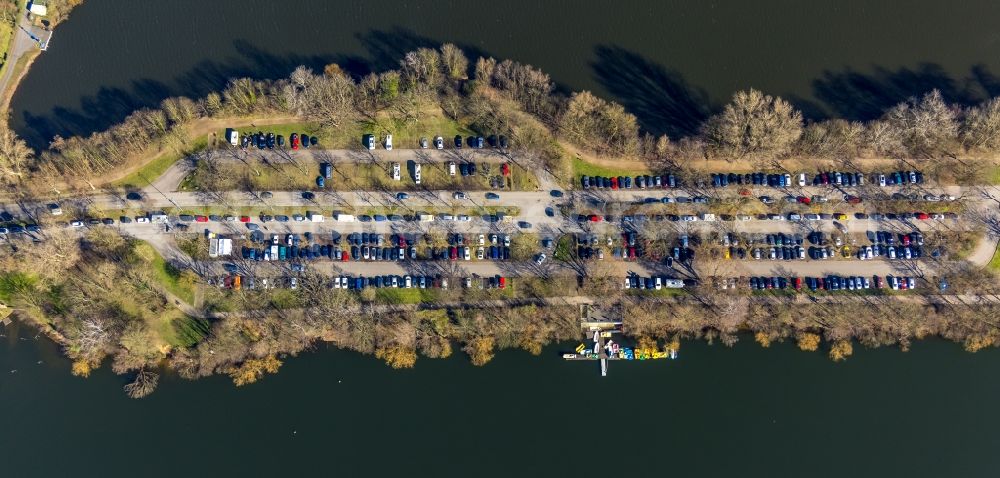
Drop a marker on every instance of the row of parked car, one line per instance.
(832, 283)
(414, 282)
(644, 181)
(262, 140)
(823, 178)
(476, 142)
(634, 281)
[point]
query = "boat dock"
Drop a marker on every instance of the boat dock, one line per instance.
(600, 327)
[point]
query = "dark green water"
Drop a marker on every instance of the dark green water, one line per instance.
(717, 411)
(668, 61)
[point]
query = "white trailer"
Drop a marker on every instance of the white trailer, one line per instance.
(345, 218)
(673, 283)
(314, 217)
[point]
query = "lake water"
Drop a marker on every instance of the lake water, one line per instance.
(668, 61)
(716, 411)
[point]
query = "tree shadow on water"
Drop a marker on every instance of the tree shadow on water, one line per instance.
(110, 105)
(661, 99)
(853, 95)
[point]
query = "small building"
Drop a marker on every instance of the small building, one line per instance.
(38, 7)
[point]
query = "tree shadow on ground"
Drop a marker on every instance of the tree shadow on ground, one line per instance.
(661, 100)
(852, 95)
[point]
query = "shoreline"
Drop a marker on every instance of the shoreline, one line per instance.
(113, 295)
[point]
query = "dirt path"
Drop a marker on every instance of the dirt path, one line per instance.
(19, 46)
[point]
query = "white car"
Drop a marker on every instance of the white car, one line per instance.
(881, 180)
(416, 173)
(464, 218)
(408, 282)
(659, 283)
(482, 240)
(459, 195)
(395, 171)
(388, 142)
(451, 168)
(540, 259)
(141, 220)
(743, 217)
(802, 180)
(506, 240)
(439, 143)
(480, 253)
(468, 253)
(79, 223)
(336, 282)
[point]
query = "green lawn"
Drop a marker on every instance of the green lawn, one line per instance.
(406, 296)
(13, 282)
(993, 174)
(995, 262)
(583, 168)
(165, 274)
(154, 169)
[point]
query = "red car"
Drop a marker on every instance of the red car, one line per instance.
(631, 253)
(295, 140)
(505, 169)
(201, 218)
(878, 282)
(244, 218)
(594, 218)
(453, 252)
(614, 183)
(804, 200)
(797, 283)
(923, 216)
(502, 281)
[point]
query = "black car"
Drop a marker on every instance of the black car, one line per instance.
(503, 142)
(261, 140)
(270, 140)
(314, 140)
(458, 141)
(308, 195)
(133, 196)
(305, 140)
(281, 141)
(492, 140)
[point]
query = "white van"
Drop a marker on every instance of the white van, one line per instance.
(451, 168)
(395, 171)
(416, 173)
(802, 180)
(388, 142)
